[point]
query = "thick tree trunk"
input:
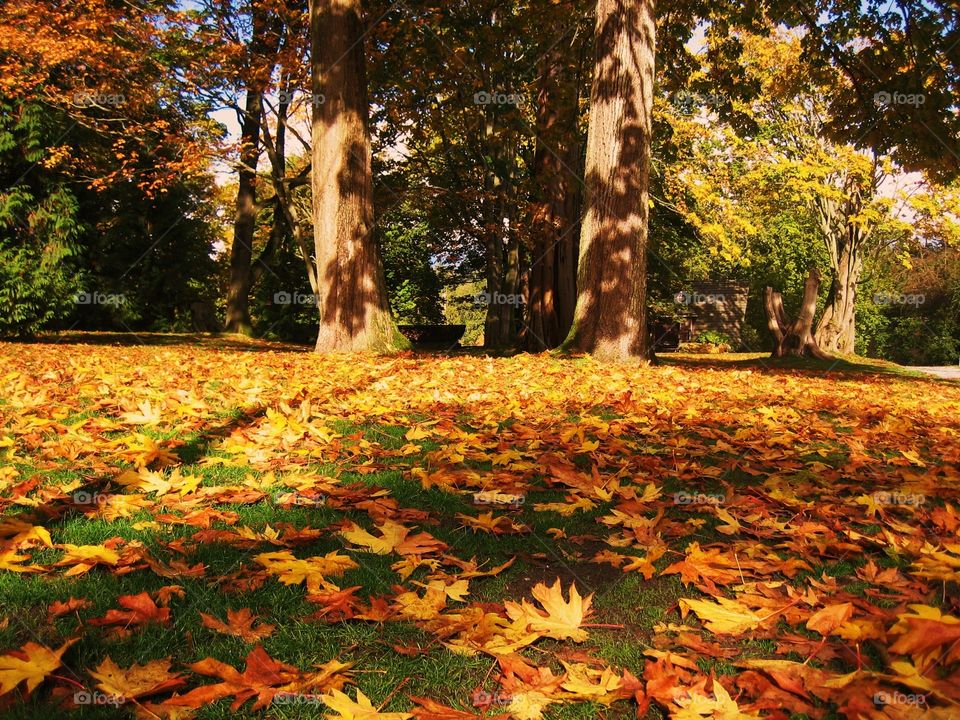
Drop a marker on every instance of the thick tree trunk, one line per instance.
(836, 331)
(552, 274)
(610, 316)
(796, 338)
(354, 312)
(245, 219)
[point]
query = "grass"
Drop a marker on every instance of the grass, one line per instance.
(412, 439)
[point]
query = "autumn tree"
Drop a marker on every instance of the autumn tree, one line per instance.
(102, 165)
(784, 150)
(354, 312)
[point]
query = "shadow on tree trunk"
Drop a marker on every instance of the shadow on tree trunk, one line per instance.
(610, 317)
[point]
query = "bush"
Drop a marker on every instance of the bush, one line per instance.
(914, 340)
(712, 337)
(33, 293)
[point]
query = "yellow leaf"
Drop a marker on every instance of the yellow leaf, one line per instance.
(725, 617)
(361, 709)
(560, 619)
(32, 663)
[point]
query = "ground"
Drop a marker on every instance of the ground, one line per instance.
(715, 537)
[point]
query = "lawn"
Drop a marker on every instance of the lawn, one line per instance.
(521, 537)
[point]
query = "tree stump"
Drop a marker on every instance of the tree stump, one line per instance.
(795, 338)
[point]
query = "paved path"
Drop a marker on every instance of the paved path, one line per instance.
(949, 372)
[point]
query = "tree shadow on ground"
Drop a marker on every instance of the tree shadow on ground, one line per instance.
(225, 341)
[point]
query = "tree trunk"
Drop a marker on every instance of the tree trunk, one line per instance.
(260, 62)
(245, 218)
(836, 331)
(495, 269)
(283, 188)
(552, 274)
(354, 312)
(796, 338)
(568, 247)
(610, 316)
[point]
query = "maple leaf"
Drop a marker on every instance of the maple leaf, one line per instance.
(137, 681)
(262, 678)
(432, 710)
(560, 619)
(361, 709)
(720, 707)
(239, 623)
(10, 560)
(32, 663)
(140, 610)
(414, 607)
(603, 686)
(394, 538)
(923, 632)
(84, 558)
(58, 608)
(828, 619)
(24, 534)
(291, 570)
(725, 617)
(145, 414)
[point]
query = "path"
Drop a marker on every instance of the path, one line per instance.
(947, 372)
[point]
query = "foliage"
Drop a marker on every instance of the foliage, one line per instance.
(713, 337)
(413, 282)
(33, 291)
(100, 160)
(461, 308)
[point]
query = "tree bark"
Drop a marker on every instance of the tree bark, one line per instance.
(610, 316)
(245, 218)
(354, 311)
(552, 274)
(261, 59)
(836, 331)
(845, 235)
(795, 339)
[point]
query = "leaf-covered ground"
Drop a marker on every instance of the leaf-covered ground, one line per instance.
(221, 530)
